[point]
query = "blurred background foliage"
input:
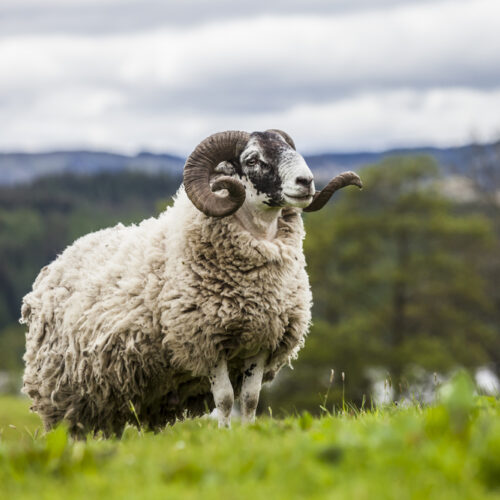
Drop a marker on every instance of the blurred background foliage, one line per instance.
(405, 283)
(404, 274)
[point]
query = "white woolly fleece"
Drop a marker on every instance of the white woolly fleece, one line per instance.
(140, 313)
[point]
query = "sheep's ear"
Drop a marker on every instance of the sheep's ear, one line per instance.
(225, 168)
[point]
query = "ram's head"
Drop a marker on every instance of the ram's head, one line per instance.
(262, 167)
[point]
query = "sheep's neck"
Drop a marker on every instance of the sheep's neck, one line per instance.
(261, 223)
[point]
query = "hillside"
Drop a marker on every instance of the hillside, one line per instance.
(456, 160)
(16, 168)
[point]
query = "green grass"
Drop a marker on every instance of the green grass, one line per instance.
(450, 450)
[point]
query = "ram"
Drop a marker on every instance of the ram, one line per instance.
(169, 318)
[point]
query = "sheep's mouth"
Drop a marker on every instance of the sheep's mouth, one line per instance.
(299, 198)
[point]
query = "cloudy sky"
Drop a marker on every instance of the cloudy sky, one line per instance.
(343, 75)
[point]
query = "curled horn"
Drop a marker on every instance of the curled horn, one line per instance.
(285, 136)
(200, 166)
(342, 180)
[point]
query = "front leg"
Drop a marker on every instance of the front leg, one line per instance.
(222, 391)
(251, 385)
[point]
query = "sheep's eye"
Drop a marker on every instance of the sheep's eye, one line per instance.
(251, 162)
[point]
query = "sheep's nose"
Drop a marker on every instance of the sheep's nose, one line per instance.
(304, 181)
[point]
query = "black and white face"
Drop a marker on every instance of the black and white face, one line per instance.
(273, 173)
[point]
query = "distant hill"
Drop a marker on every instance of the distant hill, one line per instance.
(452, 160)
(18, 168)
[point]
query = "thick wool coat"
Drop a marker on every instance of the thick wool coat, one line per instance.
(127, 321)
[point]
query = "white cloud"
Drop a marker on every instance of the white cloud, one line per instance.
(105, 16)
(415, 74)
(370, 121)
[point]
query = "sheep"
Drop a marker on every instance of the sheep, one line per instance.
(184, 312)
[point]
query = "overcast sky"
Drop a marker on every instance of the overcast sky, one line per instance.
(128, 75)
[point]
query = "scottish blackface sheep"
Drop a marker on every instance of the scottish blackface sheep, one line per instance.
(169, 318)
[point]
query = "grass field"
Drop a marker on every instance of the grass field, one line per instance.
(450, 450)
